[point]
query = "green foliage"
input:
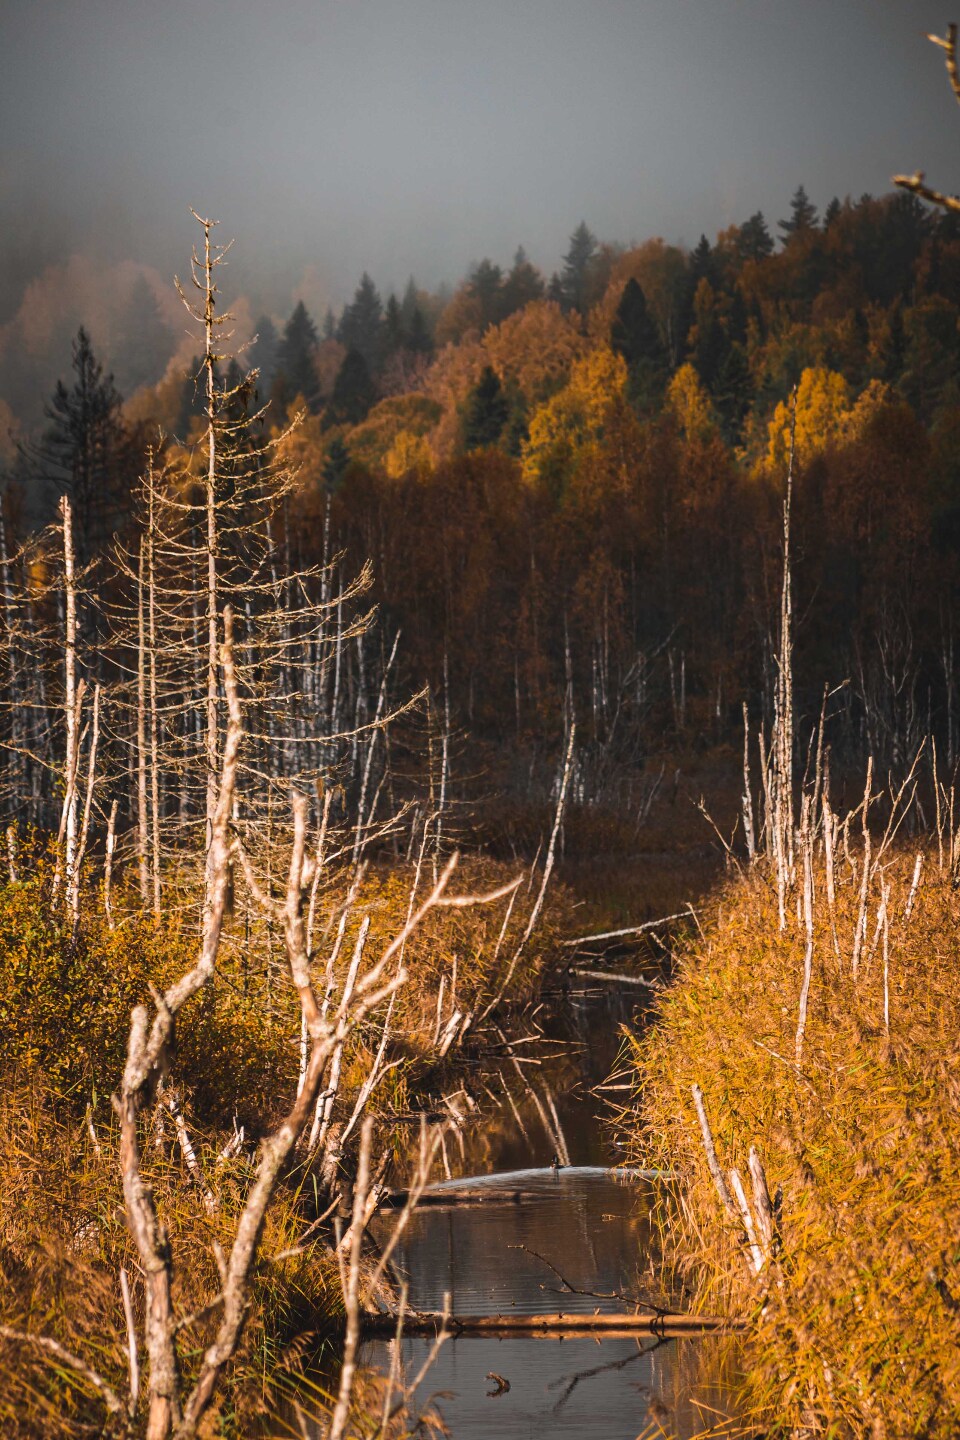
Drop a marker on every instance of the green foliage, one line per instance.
(485, 412)
(296, 371)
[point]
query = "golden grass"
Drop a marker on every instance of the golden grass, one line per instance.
(64, 1016)
(856, 1327)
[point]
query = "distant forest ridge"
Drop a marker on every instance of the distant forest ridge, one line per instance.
(571, 486)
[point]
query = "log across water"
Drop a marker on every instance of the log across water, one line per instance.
(610, 1324)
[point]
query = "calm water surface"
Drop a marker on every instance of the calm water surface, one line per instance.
(495, 1258)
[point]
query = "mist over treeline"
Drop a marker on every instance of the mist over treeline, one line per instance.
(569, 484)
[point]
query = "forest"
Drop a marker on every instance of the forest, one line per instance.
(336, 665)
(572, 486)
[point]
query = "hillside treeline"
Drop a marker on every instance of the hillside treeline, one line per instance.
(570, 488)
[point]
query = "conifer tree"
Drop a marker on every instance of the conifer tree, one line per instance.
(80, 452)
(146, 341)
(522, 285)
(634, 333)
(485, 412)
(803, 217)
(353, 391)
(754, 241)
(262, 354)
(296, 372)
(361, 326)
(575, 276)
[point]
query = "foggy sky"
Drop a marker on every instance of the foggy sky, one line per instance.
(415, 136)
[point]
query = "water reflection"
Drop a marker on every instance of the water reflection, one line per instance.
(496, 1258)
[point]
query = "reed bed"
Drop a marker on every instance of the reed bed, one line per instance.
(850, 1103)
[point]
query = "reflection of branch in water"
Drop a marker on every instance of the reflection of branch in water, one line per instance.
(572, 1381)
(593, 1294)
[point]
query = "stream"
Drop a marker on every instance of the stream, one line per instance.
(495, 1258)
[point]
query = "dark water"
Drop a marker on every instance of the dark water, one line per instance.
(593, 1227)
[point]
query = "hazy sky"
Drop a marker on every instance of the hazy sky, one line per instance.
(406, 136)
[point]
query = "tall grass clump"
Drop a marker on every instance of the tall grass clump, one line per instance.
(848, 1116)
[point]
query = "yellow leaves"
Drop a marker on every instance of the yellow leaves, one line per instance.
(823, 406)
(689, 403)
(576, 416)
(394, 432)
(536, 347)
(408, 452)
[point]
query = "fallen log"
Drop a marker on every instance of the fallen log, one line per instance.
(463, 1195)
(613, 1324)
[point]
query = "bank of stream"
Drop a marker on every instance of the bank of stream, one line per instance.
(577, 1241)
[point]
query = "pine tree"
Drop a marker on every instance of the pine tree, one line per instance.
(486, 287)
(419, 339)
(296, 372)
(803, 216)
(522, 286)
(80, 452)
(831, 213)
(361, 326)
(335, 463)
(262, 355)
(575, 277)
(702, 264)
(634, 333)
(394, 335)
(146, 341)
(353, 391)
(485, 412)
(754, 241)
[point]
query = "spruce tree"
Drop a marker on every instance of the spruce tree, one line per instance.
(754, 241)
(486, 287)
(485, 412)
(296, 371)
(575, 276)
(803, 215)
(353, 391)
(361, 326)
(634, 333)
(146, 341)
(262, 355)
(80, 453)
(335, 463)
(522, 285)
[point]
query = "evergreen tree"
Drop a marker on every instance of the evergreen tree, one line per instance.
(296, 371)
(145, 343)
(335, 463)
(262, 354)
(636, 336)
(485, 412)
(831, 213)
(361, 326)
(803, 216)
(523, 285)
(409, 303)
(754, 241)
(394, 336)
(634, 333)
(733, 393)
(486, 286)
(81, 451)
(353, 391)
(702, 263)
(575, 276)
(419, 339)
(329, 331)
